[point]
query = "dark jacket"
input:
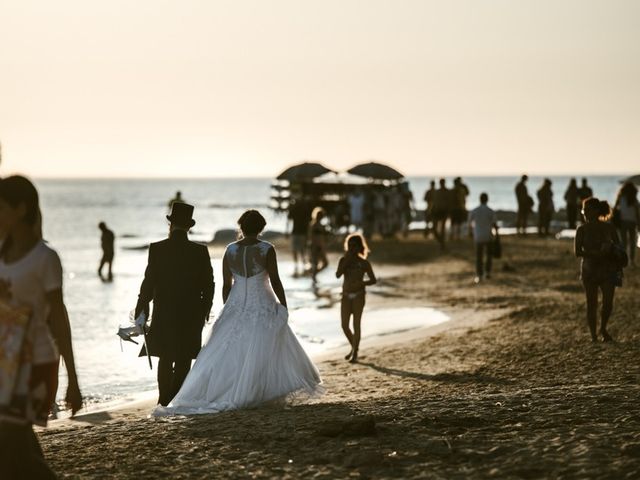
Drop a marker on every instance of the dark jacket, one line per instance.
(179, 280)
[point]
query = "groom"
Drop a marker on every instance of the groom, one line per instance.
(179, 280)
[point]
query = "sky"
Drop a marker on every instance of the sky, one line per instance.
(189, 88)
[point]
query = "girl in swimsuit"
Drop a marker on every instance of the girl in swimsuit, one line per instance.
(354, 265)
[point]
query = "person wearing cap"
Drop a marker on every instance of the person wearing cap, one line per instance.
(179, 280)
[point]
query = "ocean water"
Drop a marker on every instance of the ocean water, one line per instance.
(136, 209)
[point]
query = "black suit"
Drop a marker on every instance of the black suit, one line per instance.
(179, 280)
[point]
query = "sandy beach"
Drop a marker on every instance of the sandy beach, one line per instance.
(511, 387)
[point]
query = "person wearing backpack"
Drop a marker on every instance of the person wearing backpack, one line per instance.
(603, 258)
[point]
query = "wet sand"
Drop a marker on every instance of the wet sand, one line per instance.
(510, 388)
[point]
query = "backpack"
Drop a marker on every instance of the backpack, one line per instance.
(619, 258)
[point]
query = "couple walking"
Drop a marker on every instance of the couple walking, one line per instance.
(251, 356)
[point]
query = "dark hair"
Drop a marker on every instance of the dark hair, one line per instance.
(251, 223)
(17, 190)
(484, 198)
(356, 238)
(630, 192)
(599, 207)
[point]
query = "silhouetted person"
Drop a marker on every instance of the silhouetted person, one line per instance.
(179, 281)
(525, 205)
(594, 243)
(584, 191)
(318, 242)
(572, 200)
(459, 195)
(356, 208)
(177, 198)
(354, 266)
(483, 222)
(428, 211)
(300, 215)
(441, 211)
(107, 241)
(545, 207)
(628, 212)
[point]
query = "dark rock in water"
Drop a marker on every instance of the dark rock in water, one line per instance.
(356, 426)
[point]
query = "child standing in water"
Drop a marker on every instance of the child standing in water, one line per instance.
(354, 265)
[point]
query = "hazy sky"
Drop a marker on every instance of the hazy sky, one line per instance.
(244, 88)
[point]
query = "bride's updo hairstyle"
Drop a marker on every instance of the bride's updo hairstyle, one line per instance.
(251, 223)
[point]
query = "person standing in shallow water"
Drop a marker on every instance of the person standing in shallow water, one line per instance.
(593, 244)
(107, 241)
(354, 265)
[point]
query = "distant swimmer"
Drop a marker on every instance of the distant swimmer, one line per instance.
(107, 240)
(177, 198)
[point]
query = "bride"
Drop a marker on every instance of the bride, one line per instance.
(251, 356)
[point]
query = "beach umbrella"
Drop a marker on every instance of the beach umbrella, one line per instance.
(376, 170)
(633, 179)
(303, 171)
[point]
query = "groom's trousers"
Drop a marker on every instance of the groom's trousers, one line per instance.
(171, 375)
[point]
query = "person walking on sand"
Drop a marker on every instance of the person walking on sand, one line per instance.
(354, 266)
(31, 281)
(107, 240)
(594, 244)
(483, 223)
(572, 200)
(584, 191)
(525, 205)
(441, 210)
(545, 208)
(252, 355)
(299, 214)
(627, 210)
(459, 194)
(318, 243)
(428, 211)
(179, 281)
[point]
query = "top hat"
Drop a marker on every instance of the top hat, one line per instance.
(181, 214)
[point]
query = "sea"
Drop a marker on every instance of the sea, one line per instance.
(135, 210)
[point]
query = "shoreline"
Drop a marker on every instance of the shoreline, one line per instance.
(141, 404)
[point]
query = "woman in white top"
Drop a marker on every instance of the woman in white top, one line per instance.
(31, 276)
(628, 211)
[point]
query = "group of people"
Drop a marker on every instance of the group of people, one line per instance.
(574, 196)
(444, 204)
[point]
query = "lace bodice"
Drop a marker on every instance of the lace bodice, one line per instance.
(247, 260)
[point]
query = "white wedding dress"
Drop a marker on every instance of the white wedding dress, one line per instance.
(252, 356)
